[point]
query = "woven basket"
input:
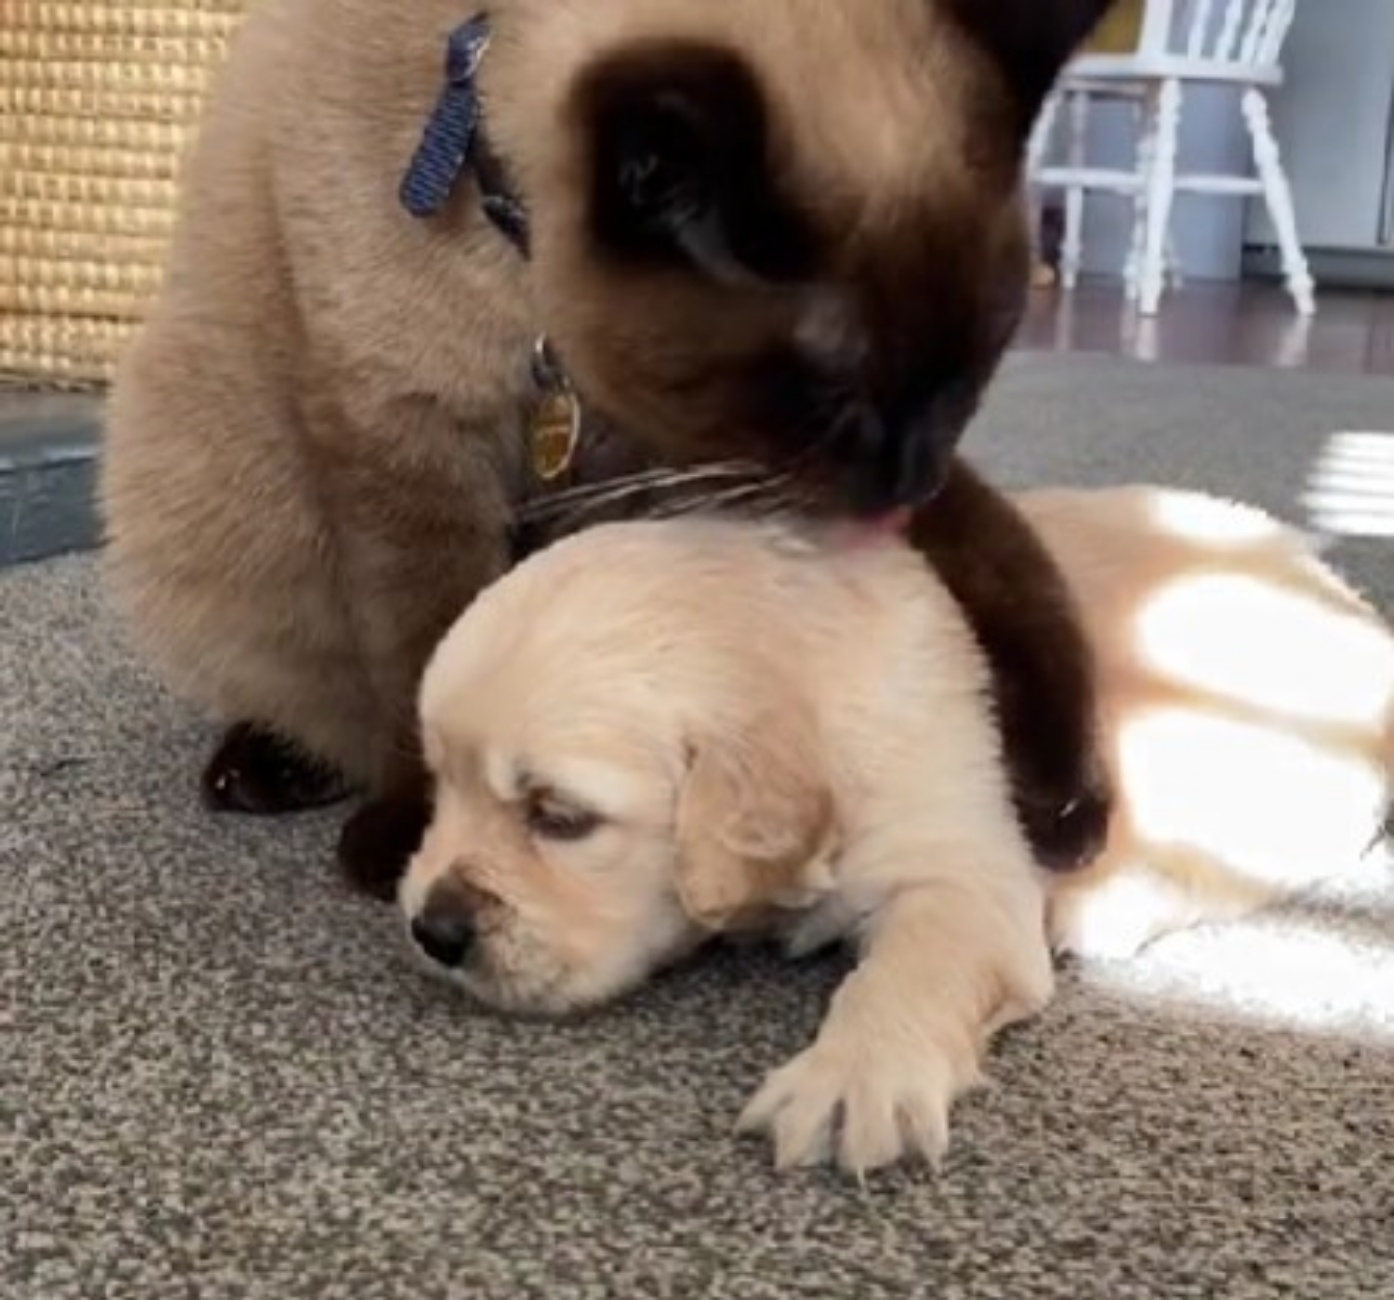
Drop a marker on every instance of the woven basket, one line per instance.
(98, 100)
(1119, 30)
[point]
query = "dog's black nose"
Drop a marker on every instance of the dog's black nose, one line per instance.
(444, 930)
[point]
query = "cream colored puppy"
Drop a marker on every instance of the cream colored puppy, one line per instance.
(656, 732)
(1247, 712)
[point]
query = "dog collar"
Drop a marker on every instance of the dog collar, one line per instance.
(454, 142)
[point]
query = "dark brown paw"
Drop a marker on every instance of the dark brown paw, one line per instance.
(256, 771)
(1022, 610)
(378, 842)
(1067, 831)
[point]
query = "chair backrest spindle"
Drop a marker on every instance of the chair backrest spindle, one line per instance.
(1255, 38)
(1201, 17)
(1281, 13)
(1231, 30)
(1157, 22)
(1245, 32)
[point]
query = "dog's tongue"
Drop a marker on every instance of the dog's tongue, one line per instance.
(878, 529)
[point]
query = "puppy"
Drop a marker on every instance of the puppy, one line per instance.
(652, 734)
(1247, 711)
(320, 445)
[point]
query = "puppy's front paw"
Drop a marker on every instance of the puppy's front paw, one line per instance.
(862, 1100)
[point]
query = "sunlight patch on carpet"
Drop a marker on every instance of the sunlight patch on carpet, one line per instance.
(1351, 489)
(1324, 966)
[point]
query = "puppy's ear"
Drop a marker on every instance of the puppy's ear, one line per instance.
(755, 814)
(680, 166)
(1030, 40)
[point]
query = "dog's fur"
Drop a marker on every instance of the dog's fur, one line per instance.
(653, 733)
(1247, 708)
(763, 732)
(785, 233)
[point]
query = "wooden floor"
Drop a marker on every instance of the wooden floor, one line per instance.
(1250, 324)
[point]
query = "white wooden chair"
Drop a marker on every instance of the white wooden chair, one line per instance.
(1182, 43)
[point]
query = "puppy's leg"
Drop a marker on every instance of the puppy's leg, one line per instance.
(1023, 615)
(945, 965)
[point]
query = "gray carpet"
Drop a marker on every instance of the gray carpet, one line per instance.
(222, 1079)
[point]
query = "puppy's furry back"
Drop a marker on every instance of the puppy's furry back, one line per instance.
(1247, 693)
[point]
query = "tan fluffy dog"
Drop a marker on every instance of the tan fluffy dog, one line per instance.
(653, 733)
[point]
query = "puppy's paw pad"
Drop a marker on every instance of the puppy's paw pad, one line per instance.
(862, 1107)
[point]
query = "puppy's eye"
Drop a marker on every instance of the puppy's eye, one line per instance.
(550, 819)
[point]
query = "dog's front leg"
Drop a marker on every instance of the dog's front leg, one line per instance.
(944, 965)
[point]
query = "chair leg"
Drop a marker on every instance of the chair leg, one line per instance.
(1278, 195)
(1172, 259)
(1037, 150)
(1072, 248)
(1144, 118)
(1160, 190)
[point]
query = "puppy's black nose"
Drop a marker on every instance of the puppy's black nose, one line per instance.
(444, 930)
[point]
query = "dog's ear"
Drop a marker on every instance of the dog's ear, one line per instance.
(755, 816)
(1030, 40)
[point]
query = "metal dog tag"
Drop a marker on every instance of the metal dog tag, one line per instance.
(555, 427)
(553, 433)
